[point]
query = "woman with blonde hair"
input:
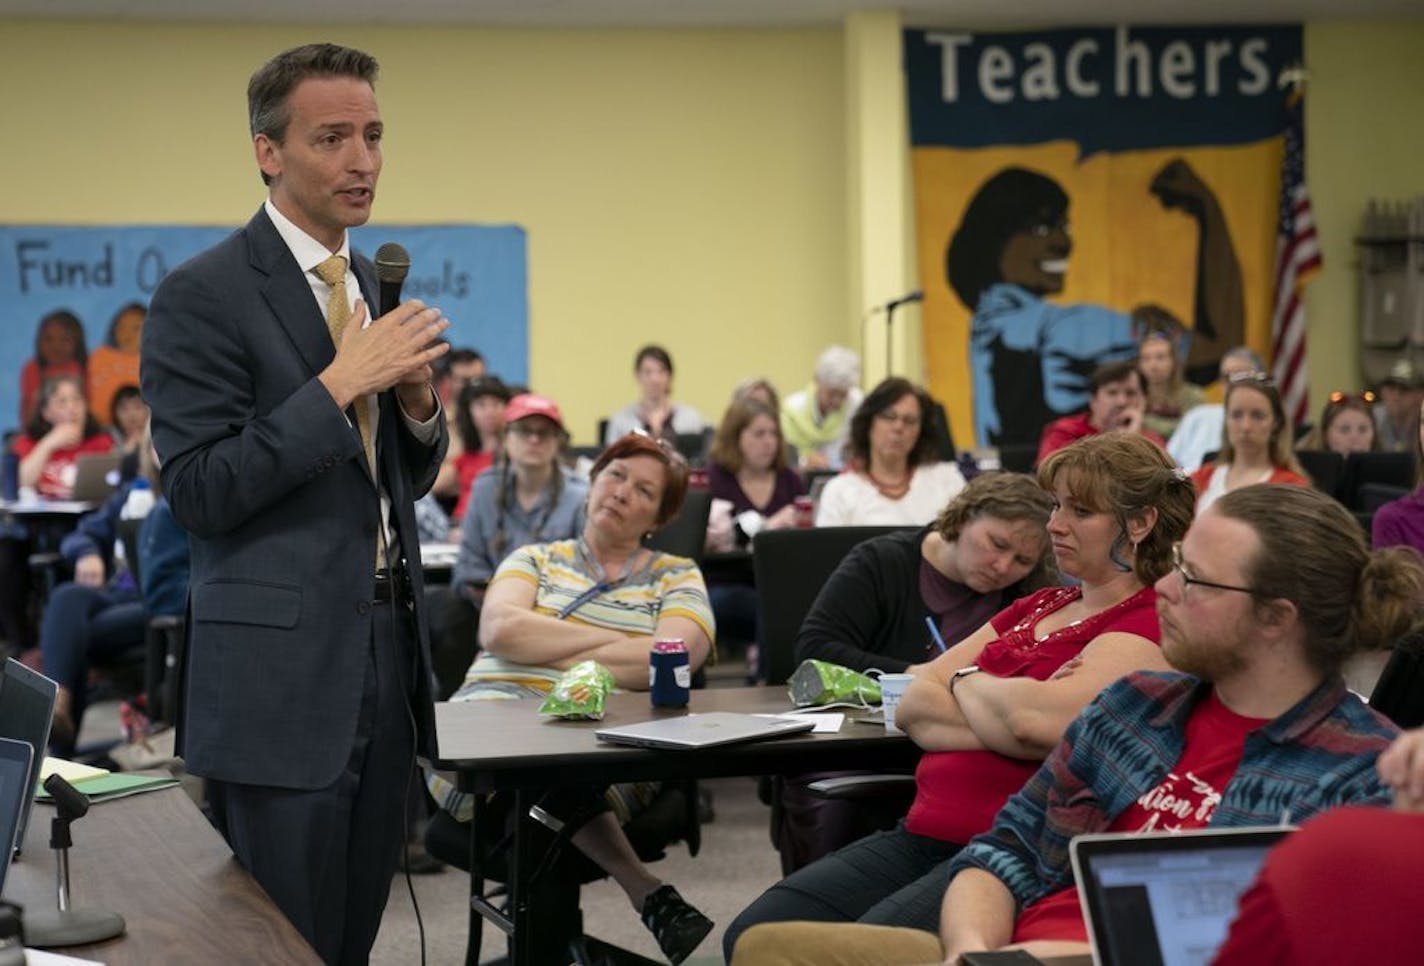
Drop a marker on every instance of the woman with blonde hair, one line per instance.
(1169, 396)
(1255, 444)
(991, 708)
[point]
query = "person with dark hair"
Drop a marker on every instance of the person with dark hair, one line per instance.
(60, 431)
(894, 476)
(1116, 405)
(479, 434)
(297, 430)
(1255, 445)
(128, 419)
(1397, 417)
(1346, 425)
(59, 351)
(992, 706)
(114, 364)
(1030, 360)
(604, 597)
(654, 413)
(1271, 591)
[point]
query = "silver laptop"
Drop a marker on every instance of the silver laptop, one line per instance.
(1155, 899)
(702, 730)
(26, 712)
(96, 475)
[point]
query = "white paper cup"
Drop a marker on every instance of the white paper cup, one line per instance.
(892, 688)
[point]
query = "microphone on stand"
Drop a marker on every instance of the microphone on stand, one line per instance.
(392, 266)
(889, 308)
(66, 925)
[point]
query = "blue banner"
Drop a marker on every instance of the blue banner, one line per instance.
(1107, 89)
(476, 274)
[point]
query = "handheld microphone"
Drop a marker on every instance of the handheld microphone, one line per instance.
(915, 296)
(392, 266)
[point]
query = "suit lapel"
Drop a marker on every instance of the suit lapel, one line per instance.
(289, 294)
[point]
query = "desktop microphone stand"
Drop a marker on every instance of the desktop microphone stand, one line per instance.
(66, 926)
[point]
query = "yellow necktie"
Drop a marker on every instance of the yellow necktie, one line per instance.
(338, 313)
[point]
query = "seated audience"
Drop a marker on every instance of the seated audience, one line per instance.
(752, 490)
(604, 597)
(654, 413)
(816, 420)
(760, 389)
(1400, 523)
(114, 364)
(457, 369)
(528, 497)
(59, 351)
(1169, 396)
(893, 478)
(479, 428)
(1199, 432)
(103, 612)
(1119, 392)
(1271, 591)
(1331, 894)
(61, 429)
(128, 419)
(987, 548)
(1347, 425)
(996, 703)
(1256, 444)
(1397, 417)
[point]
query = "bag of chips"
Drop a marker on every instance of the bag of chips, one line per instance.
(580, 692)
(822, 683)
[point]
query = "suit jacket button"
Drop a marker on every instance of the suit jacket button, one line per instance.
(363, 608)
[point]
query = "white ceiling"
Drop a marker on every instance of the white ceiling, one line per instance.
(712, 13)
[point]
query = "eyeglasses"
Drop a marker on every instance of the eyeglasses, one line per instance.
(1188, 580)
(1255, 376)
(909, 421)
(533, 433)
(1338, 398)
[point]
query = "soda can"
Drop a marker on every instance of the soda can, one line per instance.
(669, 674)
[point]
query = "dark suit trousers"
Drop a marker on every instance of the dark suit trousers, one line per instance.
(326, 857)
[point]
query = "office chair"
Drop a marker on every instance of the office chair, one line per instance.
(686, 534)
(1361, 469)
(482, 848)
(1399, 692)
(1325, 469)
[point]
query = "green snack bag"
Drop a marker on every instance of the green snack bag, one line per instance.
(821, 682)
(580, 693)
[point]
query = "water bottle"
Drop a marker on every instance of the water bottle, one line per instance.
(139, 502)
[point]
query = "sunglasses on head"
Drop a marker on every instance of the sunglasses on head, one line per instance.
(1338, 398)
(1255, 377)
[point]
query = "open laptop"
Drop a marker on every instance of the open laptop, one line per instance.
(15, 791)
(26, 711)
(1165, 899)
(702, 730)
(95, 476)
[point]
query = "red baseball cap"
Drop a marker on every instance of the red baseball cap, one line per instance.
(528, 404)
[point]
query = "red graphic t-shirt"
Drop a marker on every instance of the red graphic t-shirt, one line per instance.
(1186, 798)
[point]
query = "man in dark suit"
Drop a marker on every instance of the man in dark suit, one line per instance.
(273, 396)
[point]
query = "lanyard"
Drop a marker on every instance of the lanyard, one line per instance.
(603, 585)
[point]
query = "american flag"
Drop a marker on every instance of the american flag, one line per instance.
(1297, 261)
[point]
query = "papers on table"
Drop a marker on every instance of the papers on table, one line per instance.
(826, 723)
(101, 785)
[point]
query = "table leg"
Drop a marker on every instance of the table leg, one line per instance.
(521, 940)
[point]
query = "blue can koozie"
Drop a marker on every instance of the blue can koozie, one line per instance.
(10, 476)
(669, 674)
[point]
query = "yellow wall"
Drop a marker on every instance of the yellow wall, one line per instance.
(679, 186)
(1364, 139)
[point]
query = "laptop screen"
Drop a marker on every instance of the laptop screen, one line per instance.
(15, 790)
(1166, 900)
(26, 710)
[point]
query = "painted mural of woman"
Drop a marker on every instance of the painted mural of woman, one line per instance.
(1030, 359)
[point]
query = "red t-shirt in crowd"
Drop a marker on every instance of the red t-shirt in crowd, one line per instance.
(1340, 892)
(1185, 799)
(958, 793)
(467, 467)
(56, 480)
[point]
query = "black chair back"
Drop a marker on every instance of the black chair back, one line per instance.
(686, 533)
(1390, 469)
(1018, 457)
(791, 566)
(1325, 469)
(1399, 692)
(938, 428)
(1372, 496)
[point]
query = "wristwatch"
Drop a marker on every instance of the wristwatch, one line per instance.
(963, 672)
